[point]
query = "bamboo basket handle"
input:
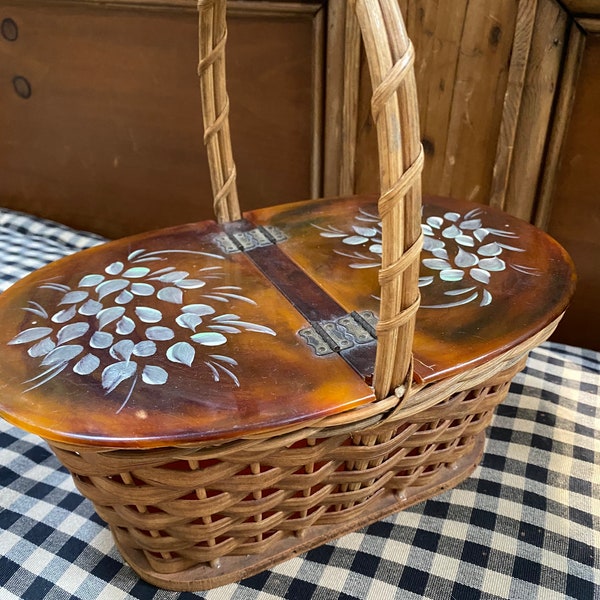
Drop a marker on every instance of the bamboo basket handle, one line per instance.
(390, 56)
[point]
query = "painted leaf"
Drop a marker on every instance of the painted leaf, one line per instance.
(73, 297)
(41, 348)
(471, 224)
(226, 317)
(125, 297)
(239, 297)
(225, 370)
(451, 232)
(375, 248)
(198, 309)
(480, 275)
(91, 281)
(116, 373)
(110, 287)
(431, 244)
(145, 348)
(209, 338)
(441, 253)
(465, 240)
(437, 264)
(355, 240)
(154, 375)
(492, 249)
(511, 248)
(226, 359)
(365, 231)
(171, 294)
(182, 353)
(459, 292)
(31, 335)
(87, 365)
(252, 327)
(492, 264)
(189, 321)
(115, 268)
(456, 303)
(425, 281)
(465, 259)
(101, 340)
(59, 287)
(190, 284)
(90, 308)
(435, 222)
(108, 315)
(216, 297)
(159, 334)
(486, 299)
(173, 276)
(62, 354)
(125, 326)
(122, 350)
(72, 332)
(62, 316)
(136, 272)
(163, 270)
(452, 216)
(136, 253)
(480, 234)
(36, 309)
(452, 275)
(332, 234)
(148, 315)
(142, 289)
(224, 328)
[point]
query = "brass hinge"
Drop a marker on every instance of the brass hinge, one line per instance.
(327, 337)
(243, 241)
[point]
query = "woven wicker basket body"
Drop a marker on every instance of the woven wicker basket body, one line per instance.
(191, 516)
(195, 518)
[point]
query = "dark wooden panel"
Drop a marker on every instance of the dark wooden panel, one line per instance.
(110, 138)
(575, 218)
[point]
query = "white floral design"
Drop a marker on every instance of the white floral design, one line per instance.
(366, 235)
(458, 247)
(93, 326)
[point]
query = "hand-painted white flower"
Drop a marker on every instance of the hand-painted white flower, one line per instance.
(108, 308)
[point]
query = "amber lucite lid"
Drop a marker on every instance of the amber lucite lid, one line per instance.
(161, 339)
(204, 332)
(488, 280)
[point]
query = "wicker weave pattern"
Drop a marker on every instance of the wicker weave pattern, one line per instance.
(188, 507)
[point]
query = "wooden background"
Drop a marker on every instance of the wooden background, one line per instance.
(101, 127)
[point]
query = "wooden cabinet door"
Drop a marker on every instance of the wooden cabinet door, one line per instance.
(101, 120)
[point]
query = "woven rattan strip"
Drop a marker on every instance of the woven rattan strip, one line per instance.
(391, 59)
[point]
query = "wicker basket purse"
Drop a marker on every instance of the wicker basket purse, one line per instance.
(216, 389)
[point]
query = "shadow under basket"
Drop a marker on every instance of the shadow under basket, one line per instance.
(195, 518)
(229, 394)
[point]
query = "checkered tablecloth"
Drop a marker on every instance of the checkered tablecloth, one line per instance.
(525, 525)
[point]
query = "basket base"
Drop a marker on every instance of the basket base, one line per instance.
(236, 568)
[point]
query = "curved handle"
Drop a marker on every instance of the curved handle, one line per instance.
(394, 106)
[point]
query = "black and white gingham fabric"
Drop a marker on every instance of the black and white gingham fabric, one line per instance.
(28, 243)
(525, 525)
